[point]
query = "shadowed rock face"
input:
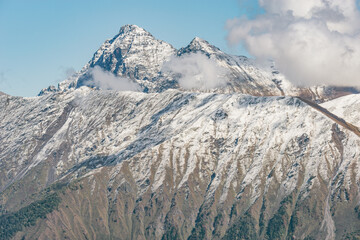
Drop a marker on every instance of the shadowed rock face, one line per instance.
(177, 165)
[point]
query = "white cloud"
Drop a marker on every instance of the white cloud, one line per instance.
(311, 41)
(108, 81)
(196, 71)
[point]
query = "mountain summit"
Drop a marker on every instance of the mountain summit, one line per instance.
(198, 44)
(133, 53)
(132, 29)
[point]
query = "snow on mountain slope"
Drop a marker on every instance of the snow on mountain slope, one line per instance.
(132, 53)
(243, 75)
(169, 152)
(347, 107)
(176, 164)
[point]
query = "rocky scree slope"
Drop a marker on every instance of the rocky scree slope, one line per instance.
(175, 165)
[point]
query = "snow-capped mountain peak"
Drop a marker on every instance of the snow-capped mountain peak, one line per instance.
(199, 45)
(131, 42)
(133, 53)
(136, 54)
(131, 28)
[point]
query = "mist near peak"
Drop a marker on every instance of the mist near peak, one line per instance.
(108, 81)
(196, 71)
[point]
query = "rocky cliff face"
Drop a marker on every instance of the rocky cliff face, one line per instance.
(82, 163)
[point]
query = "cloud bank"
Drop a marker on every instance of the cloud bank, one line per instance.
(196, 71)
(108, 81)
(311, 41)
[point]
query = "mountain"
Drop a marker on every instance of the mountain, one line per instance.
(178, 165)
(134, 53)
(77, 162)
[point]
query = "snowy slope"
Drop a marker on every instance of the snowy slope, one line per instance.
(241, 161)
(220, 149)
(347, 107)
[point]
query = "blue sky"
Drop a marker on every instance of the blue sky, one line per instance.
(41, 39)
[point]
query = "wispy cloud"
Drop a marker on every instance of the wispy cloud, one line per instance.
(108, 81)
(68, 72)
(65, 73)
(311, 41)
(196, 71)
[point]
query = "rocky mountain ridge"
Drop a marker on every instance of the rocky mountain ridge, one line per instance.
(192, 166)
